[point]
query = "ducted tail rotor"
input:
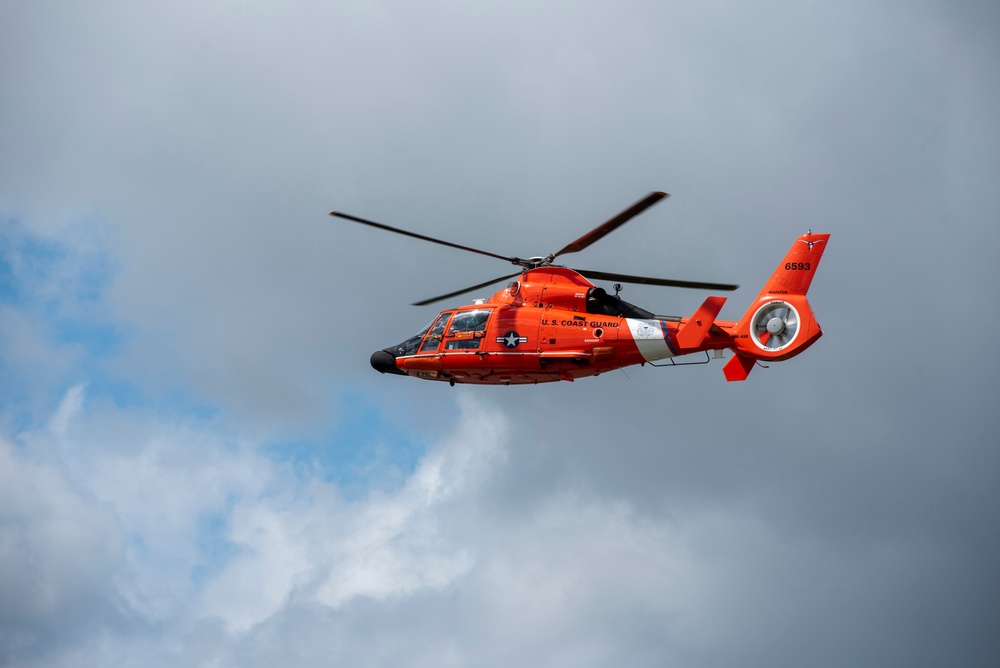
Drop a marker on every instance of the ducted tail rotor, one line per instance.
(774, 326)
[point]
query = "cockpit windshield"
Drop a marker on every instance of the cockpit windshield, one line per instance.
(466, 332)
(410, 346)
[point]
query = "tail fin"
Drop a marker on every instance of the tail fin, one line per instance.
(780, 323)
(795, 273)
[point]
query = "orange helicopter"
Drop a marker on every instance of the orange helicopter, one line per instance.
(552, 323)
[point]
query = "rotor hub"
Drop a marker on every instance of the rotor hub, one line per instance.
(537, 261)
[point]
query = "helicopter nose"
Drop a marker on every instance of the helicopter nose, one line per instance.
(384, 361)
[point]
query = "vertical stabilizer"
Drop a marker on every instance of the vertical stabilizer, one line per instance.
(795, 273)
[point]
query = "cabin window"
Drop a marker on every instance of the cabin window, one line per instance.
(467, 329)
(432, 341)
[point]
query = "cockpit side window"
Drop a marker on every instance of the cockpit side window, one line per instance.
(432, 341)
(467, 329)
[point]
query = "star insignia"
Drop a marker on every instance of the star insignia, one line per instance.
(512, 339)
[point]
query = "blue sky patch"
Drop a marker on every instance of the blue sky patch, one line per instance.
(97, 338)
(215, 549)
(57, 287)
(26, 261)
(366, 451)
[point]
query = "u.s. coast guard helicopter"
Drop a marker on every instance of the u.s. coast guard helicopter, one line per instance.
(551, 323)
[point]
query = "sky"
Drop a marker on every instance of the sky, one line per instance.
(199, 467)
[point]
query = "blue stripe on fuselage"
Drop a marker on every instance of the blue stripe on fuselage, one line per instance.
(666, 337)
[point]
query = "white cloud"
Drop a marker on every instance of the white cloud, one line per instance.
(312, 545)
(121, 523)
(69, 408)
(62, 556)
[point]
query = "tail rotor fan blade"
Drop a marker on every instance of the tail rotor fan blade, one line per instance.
(774, 316)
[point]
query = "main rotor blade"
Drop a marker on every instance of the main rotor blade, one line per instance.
(646, 280)
(464, 290)
(610, 226)
(421, 236)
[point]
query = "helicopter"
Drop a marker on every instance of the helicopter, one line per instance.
(552, 323)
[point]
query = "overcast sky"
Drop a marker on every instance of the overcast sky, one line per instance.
(199, 467)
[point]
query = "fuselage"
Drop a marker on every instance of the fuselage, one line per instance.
(551, 324)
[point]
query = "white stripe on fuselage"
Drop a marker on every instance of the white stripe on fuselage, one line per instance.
(650, 338)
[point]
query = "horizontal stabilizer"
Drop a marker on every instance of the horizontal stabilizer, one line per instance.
(694, 331)
(738, 368)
